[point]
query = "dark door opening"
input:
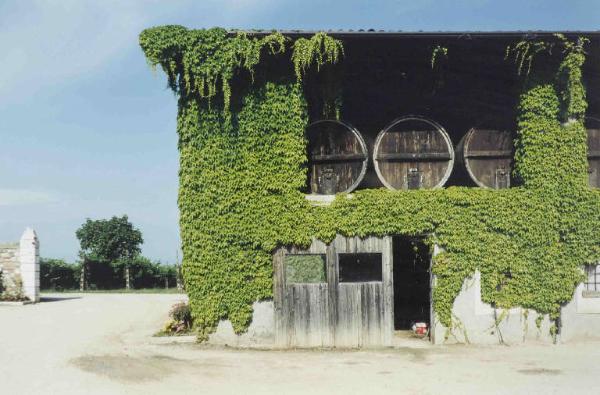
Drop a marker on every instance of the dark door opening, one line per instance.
(412, 288)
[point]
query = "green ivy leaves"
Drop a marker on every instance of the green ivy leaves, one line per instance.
(241, 172)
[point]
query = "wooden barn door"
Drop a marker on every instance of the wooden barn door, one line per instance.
(365, 291)
(337, 295)
(301, 296)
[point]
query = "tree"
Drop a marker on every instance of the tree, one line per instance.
(114, 241)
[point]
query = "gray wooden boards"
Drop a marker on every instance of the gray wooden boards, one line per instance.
(337, 157)
(413, 152)
(365, 309)
(592, 125)
(487, 154)
(334, 313)
(302, 310)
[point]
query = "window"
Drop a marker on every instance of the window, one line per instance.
(593, 278)
(360, 267)
(305, 268)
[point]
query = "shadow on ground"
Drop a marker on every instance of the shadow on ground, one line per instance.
(45, 299)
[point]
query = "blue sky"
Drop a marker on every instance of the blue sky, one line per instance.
(88, 130)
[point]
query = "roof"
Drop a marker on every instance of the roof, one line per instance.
(447, 34)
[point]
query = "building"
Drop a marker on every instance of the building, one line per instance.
(337, 187)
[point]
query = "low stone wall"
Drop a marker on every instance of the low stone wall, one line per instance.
(10, 266)
(20, 267)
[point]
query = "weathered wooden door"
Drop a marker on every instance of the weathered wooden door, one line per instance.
(365, 291)
(301, 297)
(336, 295)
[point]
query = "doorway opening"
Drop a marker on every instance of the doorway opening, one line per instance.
(412, 282)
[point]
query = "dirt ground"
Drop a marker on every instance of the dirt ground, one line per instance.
(102, 344)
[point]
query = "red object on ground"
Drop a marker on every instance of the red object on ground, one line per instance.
(420, 329)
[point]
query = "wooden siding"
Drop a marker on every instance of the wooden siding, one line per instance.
(335, 314)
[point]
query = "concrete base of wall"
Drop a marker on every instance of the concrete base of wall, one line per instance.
(260, 333)
(479, 323)
(581, 317)
(475, 322)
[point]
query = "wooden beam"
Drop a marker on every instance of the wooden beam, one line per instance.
(593, 154)
(489, 154)
(414, 156)
(337, 158)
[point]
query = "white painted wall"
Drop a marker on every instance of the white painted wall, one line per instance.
(581, 317)
(261, 332)
(475, 321)
(29, 257)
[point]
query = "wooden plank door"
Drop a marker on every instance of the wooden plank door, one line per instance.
(301, 298)
(364, 308)
(316, 305)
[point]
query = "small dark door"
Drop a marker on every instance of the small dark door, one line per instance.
(412, 290)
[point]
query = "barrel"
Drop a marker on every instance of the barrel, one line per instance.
(412, 153)
(593, 144)
(487, 155)
(337, 157)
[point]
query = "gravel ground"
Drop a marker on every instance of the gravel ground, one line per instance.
(102, 344)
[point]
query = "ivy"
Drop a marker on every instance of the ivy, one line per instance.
(572, 90)
(317, 50)
(524, 52)
(438, 51)
(195, 61)
(241, 175)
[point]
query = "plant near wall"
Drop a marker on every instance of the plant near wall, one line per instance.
(437, 53)
(241, 175)
(195, 61)
(525, 51)
(321, 52)
(316, 51)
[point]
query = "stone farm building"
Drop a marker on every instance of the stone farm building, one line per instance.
(337, 187)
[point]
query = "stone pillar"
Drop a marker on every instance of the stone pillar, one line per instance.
(29, 257)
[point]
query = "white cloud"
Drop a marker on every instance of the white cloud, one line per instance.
(20, 197)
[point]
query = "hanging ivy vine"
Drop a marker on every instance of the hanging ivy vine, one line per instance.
(241, 175)
(318, 50)
(437, 53)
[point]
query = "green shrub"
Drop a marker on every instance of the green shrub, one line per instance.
(182, 316)
(56, 274)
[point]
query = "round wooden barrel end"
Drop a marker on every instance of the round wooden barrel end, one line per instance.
(337, 157)
(413, 152)
(487, 155)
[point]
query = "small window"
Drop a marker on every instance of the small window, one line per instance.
(593, 278)
(305, 268)
(360, 267)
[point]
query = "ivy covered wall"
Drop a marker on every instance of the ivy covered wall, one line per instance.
(242, 166)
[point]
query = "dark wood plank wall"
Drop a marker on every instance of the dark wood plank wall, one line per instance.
(593, 140)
